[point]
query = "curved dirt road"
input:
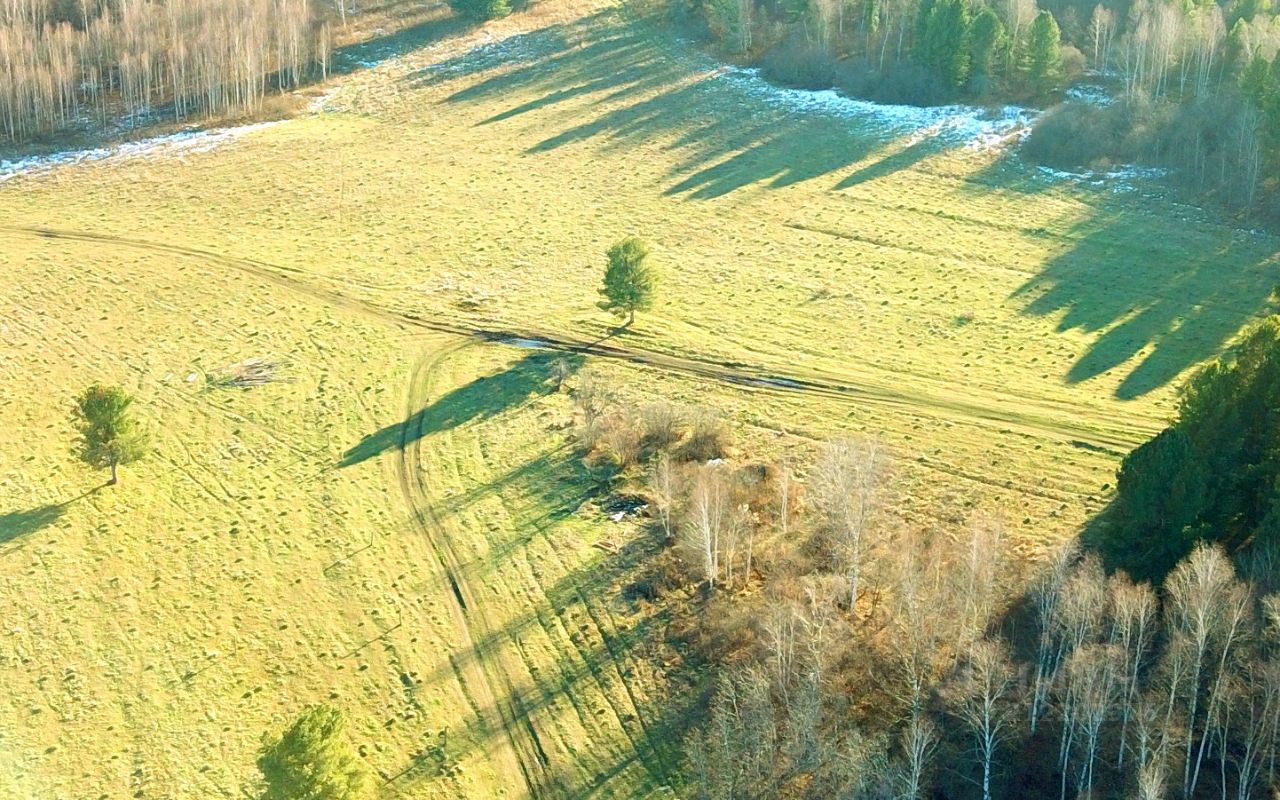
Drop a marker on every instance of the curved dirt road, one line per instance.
(1055, 421)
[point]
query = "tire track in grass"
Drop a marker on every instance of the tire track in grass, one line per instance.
(602, 671)
(521, 757)
(1114, 434)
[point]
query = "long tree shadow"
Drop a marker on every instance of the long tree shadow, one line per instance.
(442, 24)
(1172, 294)
(621, 87)
(16, 524)
(585, 679)
(588, 673)
(483, 397)
(905, 158)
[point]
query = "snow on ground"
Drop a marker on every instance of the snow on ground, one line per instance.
(1118, 179)
(174, 144)
(970, 126)
(1090, 93)
(956, 125)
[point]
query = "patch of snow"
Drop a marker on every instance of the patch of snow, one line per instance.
(321, 103)
(1091, 94)
(174, 144)
(1118, 179)
(970, 126)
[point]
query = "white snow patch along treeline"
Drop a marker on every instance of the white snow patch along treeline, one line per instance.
(1118, 179)
(970, 126)
(1090, 94)
(181, 143)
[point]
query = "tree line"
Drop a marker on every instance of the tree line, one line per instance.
(67, 62)
(1197, 93)
(1197, 82)
(900, 50)
(1213, 476)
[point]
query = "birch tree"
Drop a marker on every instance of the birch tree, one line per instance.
(984, 698)
(846, 482)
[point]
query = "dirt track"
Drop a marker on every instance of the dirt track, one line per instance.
(520, 753)
(1116, 437)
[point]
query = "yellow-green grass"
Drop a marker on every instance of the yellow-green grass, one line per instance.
(269, 554)
(1007, 336)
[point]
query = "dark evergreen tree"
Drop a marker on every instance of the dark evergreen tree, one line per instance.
(1044, 54)
(987, 40)
(945, 47)
(1213, 475)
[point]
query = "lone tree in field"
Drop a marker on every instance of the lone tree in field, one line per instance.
(313, 761)
(629, 280)
(109, 433)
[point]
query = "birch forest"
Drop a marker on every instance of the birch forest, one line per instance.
(71, 63)
(864, 657)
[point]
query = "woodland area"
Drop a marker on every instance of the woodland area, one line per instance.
(858, 657)
(65, 62)
(1196, 83)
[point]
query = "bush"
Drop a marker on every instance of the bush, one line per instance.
(481, 9)
(708, 438)
(616, 443)
(797, 62)
(662, 424)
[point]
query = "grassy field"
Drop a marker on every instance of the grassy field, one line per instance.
(402, 528)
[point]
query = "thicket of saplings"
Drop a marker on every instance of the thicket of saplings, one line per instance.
(1198, 81)
(67, 63)
(862, 658)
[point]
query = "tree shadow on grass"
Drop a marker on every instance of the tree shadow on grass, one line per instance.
(622, 87)
(483, 397)
(1163, 285)
(17, 524)
(595, 661)
(905, 158)
(371, 52)
(1171, 295)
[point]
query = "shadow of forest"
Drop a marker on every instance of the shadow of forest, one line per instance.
(1146, 283)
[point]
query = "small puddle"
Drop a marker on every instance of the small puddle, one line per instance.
(528, 344)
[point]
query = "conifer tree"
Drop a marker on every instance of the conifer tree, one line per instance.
(313, 761)
(629, 279)
(109, 434)
(1044, 54)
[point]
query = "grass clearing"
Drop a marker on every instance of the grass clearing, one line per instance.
(400, 526)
